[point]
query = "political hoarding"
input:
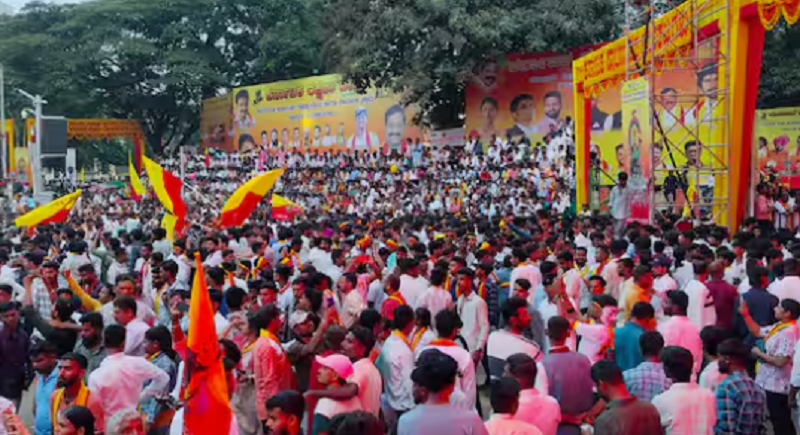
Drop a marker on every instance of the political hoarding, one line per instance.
(520, 95)
(636, 117)
(683, 102)
(777, 144)
(216, 123)
(319, 114)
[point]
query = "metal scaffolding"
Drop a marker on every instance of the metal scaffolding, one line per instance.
(690, 147)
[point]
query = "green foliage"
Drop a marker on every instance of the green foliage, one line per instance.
(153, 60)
(780, 75)
(426, 49)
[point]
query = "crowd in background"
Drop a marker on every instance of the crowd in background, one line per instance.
(446, 291)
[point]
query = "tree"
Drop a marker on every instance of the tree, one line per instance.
(780, 76)
(427, 49)
(154, 61)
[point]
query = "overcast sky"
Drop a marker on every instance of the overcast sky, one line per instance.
(18, 4)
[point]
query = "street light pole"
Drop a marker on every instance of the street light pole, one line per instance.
(5, 141)
(36, 146)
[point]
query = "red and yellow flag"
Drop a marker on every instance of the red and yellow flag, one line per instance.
(169, 223)
(208, 409)
(284, 209)
(242, 203)
(137, 188)
(53, 212)
(167, 188)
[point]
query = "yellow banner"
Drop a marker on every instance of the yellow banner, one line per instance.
(672, 34)
(102, 128)
(319, 114)
(638, 138)
(777, 139)
(216, 123)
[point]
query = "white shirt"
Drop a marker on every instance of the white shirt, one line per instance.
(220, 323)
(119, 379)
(620, 202)
(539, 410)
(527, 271)
(701, 309)
(115, 270)
(711, 377)
(789, 288)
(320, 259)
(412, 288)
(213, 260)
(474, 315)
(6, 406)
(435, 299)
(663, 284)
(687, 409)
(370, 385)
(680, 331)
(352, 306)
(399, 363)
(684, 274)
(465, 392)
(594, 337)
(505, 424)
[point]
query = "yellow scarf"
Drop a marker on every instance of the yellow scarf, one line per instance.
(778, 328)
(400, 335)
(81, 400)
(417, 337)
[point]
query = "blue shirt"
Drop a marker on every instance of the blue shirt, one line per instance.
(627, 352)
(42, 421)
(741, 406)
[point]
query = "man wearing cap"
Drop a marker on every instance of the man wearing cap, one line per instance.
(335, 370)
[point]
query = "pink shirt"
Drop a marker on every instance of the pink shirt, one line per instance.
(273, 373)
(504, 424)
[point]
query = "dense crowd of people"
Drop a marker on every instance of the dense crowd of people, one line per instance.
(448, 291)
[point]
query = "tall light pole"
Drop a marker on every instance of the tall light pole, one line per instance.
(5, 142)
(35, 148)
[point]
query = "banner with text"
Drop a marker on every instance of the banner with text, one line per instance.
(520, 95)
(636, 116)
(777, 139)
(319, 114)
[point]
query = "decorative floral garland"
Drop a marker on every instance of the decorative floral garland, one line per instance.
(769, 11)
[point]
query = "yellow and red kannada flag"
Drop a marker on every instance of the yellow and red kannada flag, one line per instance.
(169, 223)
(284, 209)
(167, 188)
(242, 203)
(208, 409)
(53, 212)
(137, 188)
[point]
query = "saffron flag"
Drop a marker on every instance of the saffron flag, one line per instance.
(82, 176)
(242, 203)
(167, 188)
(55, 211)
(284, 209)
(208, 409)
(137, 189)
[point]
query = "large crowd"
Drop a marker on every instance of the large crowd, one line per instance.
(431, 291)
